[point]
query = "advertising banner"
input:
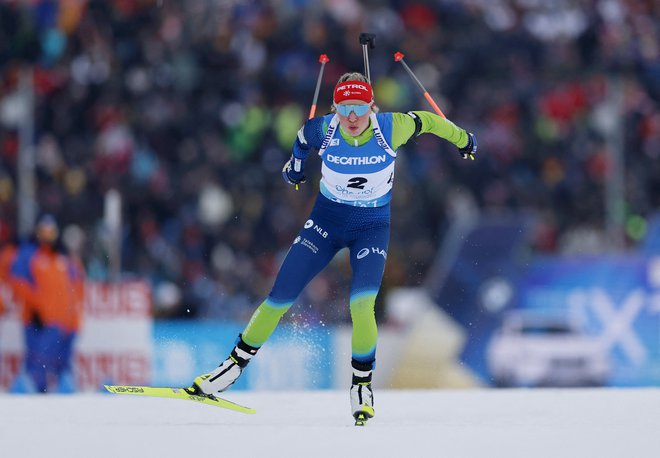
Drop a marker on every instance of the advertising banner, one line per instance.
(113, 346)
(550, 321)
(613, 300)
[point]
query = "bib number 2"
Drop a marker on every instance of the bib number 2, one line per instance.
(356, 182)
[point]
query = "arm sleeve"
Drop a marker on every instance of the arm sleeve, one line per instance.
(403, 128)
(312, 132)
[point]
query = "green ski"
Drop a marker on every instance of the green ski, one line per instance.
(187, 394)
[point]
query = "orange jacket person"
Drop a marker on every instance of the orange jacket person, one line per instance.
(48, 286)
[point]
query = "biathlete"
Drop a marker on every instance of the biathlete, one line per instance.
(358, 150)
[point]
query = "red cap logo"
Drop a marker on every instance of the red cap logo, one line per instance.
(353, 90)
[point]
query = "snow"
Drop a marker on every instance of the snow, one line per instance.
(436, 423)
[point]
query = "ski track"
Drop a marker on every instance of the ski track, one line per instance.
(525, 423)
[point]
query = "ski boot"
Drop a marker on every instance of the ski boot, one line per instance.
(362, 396)
(227, 373)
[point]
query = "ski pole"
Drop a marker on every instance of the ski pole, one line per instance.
(367, 39)
(398, 57)
(323, 59)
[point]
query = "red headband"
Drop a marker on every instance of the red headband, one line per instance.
(353, 90)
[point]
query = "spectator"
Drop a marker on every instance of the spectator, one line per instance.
(49, 286)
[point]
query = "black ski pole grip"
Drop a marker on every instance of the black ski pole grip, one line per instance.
(368, 38)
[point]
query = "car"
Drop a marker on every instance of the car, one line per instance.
(536, 348)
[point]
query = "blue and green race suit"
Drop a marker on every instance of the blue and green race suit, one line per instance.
(352, 210)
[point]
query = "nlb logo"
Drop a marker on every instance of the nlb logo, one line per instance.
(323, 233)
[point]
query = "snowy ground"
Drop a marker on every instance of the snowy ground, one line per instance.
(454, 424)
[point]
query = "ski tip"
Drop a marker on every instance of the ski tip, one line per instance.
(233, 406)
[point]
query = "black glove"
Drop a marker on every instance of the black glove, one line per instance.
(290, 175)
(469, 150)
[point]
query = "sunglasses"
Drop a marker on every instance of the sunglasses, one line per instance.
(359, 110)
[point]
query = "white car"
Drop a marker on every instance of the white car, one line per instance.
(538, 349)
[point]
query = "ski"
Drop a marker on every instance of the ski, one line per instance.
(187, 394)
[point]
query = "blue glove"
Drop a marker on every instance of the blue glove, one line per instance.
(300, 148)
(290, 175)
(293, 171)
(469, 150)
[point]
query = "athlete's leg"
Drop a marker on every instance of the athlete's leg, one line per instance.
(311, 251)
(368, 256)
(308, 255)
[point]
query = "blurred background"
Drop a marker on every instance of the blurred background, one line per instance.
(154, 132)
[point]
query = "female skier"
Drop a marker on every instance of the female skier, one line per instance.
(358, 149)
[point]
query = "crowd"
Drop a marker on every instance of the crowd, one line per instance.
(189, 109)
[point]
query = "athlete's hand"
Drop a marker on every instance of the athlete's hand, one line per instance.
(469, 150)
(293, 169)
(300, 149)
(290, 175)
